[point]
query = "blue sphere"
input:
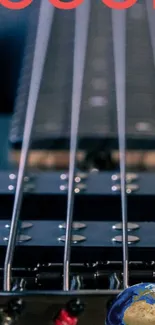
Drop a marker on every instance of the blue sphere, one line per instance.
(134, 306)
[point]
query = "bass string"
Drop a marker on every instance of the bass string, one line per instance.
(80, 46)
(119, 46)
(42, 38)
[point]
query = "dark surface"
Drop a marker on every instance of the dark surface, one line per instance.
(15, 29)
(96, 183)
(99, 98)
(46, 201)
(42, 310)
(97, 234)
(97, 245)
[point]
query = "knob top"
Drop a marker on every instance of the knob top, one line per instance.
(75, 307)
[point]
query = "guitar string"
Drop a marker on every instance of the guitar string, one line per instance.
(119, 46)
(76, 99)
(80, 45)
(42, 38)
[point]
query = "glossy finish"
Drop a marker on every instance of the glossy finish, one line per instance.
(97, 234)
(75, 239)
(131, 239)
(97, 183)
(130, 177)
(130, 188)
(75, 225)
(24, 225)
(21, 238)
(140, 295)
(130, 225)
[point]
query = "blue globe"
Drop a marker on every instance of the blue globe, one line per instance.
(134, 306)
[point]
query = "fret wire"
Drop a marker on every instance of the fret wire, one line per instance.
(42, 38)
(80, 46)
(119, 44)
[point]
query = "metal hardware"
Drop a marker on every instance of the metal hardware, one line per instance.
(75, 239)
(27, 178)
(130, 188)
(94, 170)
(130, 177)
(21, 238)
(131, 239)
(10, 314)
(11, 188)
(42, 37)
(75, 226)
(12, 177)
(119, 25)
(119, 64)
(79, 187)
(82, 15)
(131, 226)
(24, 225)
(78, 177)
(29, 185)
(6, 319)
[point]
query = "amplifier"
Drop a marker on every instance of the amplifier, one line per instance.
(98, 105)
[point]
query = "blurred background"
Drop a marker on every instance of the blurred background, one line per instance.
(98, 144)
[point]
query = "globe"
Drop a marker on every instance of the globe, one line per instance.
(134, 306)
